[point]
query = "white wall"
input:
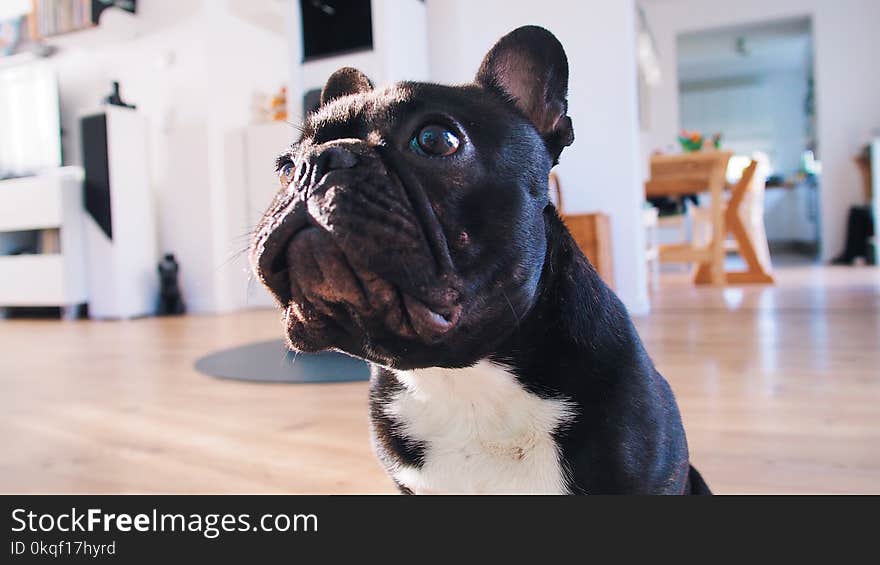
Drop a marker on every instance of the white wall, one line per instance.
(242, 58)
(601, 171)
(760, 113)
(847, 83)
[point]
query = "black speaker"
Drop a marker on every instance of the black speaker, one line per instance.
(95, 163)
(332, 27)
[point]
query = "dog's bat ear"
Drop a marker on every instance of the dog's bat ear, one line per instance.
(343, 82)
(528, 67)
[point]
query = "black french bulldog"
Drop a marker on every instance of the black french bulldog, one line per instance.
(413, 229)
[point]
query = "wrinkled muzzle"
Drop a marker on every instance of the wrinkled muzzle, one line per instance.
(354, 251)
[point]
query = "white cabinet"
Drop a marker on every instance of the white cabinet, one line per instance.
(49, 201)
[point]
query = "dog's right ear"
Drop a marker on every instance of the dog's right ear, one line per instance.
(528, 67)
(343, 82)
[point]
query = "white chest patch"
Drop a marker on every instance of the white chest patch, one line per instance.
(482, 432)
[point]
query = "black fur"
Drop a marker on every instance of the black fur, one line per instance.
(345, 82)
(409, 260)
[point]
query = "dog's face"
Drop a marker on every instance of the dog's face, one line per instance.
(409, 226)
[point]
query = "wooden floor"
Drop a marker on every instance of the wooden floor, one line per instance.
(779, 389)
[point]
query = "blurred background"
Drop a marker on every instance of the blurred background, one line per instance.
(723, 181)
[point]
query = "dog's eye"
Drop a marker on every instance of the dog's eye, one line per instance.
(285, 172)
(436, 141)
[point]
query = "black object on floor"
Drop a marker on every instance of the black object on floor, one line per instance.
(272, 362)
(170, 299)
(859, 229)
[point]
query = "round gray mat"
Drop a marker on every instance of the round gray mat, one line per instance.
(272, 362)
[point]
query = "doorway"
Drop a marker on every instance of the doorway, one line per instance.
(753, 85)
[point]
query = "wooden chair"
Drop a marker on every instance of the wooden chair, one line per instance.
(650, 218)
(592, 233)
(743, 219)
(676, 226)
(692, 173)
(751, 213)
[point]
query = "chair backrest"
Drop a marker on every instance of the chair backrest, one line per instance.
(556, 188)
(759, 181)
(591, 232)
(742, 192)
(753, 202)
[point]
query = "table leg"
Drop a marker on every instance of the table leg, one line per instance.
(755, 271)
(718, 229)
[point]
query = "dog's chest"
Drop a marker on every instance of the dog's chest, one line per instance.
(481, 432)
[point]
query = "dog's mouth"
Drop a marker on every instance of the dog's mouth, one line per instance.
(326, 286)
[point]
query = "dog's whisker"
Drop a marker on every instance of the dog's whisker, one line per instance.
(512, 309)
(233, 257)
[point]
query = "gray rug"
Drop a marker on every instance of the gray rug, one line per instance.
(272, 362)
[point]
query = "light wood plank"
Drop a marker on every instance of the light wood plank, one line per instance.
(674, 187)
(684, 253)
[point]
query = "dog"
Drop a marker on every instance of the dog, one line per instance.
(413, 229)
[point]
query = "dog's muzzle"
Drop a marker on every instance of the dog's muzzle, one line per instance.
(348, 248)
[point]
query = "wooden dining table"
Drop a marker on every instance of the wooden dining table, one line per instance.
(701, 171)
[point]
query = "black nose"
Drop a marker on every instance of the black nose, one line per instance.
(329, 159)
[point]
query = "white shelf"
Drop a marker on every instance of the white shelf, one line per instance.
(30, 203)
(52, 200)
(17, 59)
(34, 280)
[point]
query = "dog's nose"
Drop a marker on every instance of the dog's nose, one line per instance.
(331, 158)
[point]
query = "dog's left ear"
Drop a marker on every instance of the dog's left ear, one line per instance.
(529, 68)
(343, 82)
